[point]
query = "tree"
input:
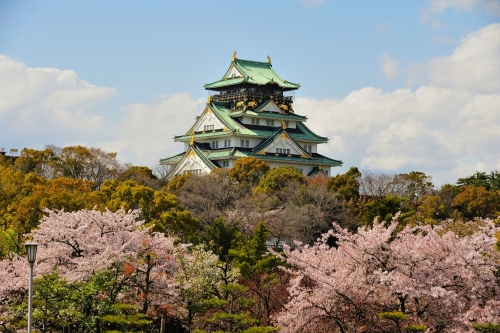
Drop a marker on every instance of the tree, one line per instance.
(346, 186)
(433, 279)
(412, 186)
(84, 163)
(140, 266)
(211, 196)
(140, 174)
(384, 209)
(266, 284)
(36, 161)
(477, 201)
(278, 178)
(200, 277)
(480, 178)
(248, 170)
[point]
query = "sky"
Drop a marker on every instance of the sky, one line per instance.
(397, 86)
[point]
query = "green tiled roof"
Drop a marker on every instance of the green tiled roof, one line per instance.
(223, 113)
(254, 72)
(268, 115)
(315, 158)
(208, 154)
(267, 142)
(318, 159)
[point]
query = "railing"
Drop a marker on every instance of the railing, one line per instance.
(255, 95)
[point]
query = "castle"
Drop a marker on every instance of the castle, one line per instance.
(250, 113)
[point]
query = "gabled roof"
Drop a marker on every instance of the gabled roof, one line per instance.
(224, 114)
(195, 149)
(280, 133)
(316, 171)
(208, 156)
(221, 113)
(267, 115)
(253, 72)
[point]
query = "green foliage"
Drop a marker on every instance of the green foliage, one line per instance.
(177, 182)
(486, 328)
(248, 170)
(218, 238)
(415, 328)
(432, 206)
(480, 179)
(474, 201)
(383, 209)
(251, 255)
(395, 316)
(346, 186)
(125, 318)
(278, 178)
(52, 302)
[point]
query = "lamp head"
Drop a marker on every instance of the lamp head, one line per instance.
(31, 251)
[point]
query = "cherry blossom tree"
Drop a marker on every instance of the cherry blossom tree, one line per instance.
(81, 243)
(107, 257)
(437, 281)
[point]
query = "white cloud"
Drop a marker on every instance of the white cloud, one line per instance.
(312, 3)
(43, 105)
(389, 67)
(448, 126)
(473, 66)
(383, 28)
(427, 15)
(491, 7)
(146, 133)
(430, 129)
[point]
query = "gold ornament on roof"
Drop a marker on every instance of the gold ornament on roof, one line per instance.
(234, 55)
(209, 99)
(193, 138)
(283, 125)
(268, 59)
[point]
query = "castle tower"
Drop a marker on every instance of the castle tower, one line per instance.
(250, 113)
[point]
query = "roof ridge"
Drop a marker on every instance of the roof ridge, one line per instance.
(254, 61)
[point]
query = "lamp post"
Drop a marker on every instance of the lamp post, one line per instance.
(31, 253)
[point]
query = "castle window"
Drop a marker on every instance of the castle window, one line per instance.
(208, 127)
(255, 121)
(225, 164)
(270, 122)
(215, 144)
(227, 143)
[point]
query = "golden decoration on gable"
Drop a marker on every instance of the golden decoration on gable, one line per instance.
(193, 138)
(283, 125)
(209, 100)
(252, 104)
(284, 107)
(234, 56)
(268, 59)
(240, 104)
(261, 153)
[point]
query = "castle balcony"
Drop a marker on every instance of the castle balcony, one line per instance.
(239, 95)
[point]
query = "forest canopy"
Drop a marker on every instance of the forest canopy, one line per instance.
(247, 249)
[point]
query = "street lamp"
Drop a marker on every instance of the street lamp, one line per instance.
(31, 253)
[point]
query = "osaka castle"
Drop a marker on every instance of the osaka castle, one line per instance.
(250, 112)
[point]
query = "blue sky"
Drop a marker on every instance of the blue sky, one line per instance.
(390, 82)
